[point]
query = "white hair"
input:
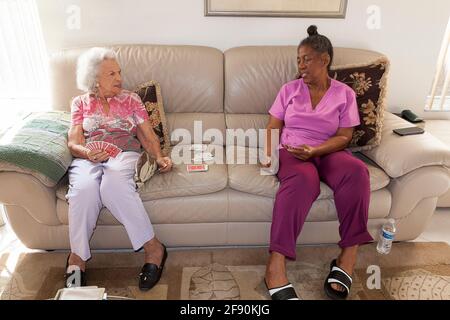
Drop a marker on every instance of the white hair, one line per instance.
(88, 65)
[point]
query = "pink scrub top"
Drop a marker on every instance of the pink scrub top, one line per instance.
(119, 127)
(305, 125)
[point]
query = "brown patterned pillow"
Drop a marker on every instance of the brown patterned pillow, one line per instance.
(150, 94)
(370, 84)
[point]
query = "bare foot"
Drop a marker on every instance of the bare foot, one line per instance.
(154, 251)
(75, 260)
(276, 271)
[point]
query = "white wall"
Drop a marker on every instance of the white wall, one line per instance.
(410, 35)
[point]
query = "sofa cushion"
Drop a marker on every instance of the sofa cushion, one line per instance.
(38, 146)
(247, 177)
(203, 209)
(369, 81)
(245, 207)
(178, 182)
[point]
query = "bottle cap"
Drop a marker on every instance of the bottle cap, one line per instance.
(391, 220)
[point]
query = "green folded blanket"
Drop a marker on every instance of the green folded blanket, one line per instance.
(38, 146)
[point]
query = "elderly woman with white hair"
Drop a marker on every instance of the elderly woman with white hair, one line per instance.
(108, 113)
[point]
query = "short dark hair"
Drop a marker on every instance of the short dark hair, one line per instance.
(318, 43)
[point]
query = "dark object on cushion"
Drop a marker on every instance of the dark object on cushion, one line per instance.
(408, 131)
(411, 116)
(370, 84)
(150, 94)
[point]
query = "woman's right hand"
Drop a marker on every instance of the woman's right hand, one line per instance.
(97, 156)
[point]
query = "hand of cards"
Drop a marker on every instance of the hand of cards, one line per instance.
(110, 148)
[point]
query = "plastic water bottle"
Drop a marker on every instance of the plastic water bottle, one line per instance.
(387, 235)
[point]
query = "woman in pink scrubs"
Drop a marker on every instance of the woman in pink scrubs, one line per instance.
(316, 116)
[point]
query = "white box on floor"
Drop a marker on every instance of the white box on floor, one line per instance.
(81, 293)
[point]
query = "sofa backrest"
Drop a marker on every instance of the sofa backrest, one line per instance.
(191, 79)
(255, 74)
(234, 89)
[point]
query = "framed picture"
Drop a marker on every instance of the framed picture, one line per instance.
(277, 8)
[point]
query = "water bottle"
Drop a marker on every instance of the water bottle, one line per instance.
(387, 235)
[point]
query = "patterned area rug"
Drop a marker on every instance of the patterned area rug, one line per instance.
(410, 271)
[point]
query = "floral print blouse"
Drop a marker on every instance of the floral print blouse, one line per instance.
(119, 127)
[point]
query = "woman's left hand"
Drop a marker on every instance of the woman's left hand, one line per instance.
(164, 164)
(303, 152)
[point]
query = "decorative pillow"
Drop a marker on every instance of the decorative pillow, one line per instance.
(146, 167)
(38, 146)
(150, 94)
(369, 83)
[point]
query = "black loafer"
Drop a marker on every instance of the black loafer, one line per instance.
(76, 278)
(151, 273)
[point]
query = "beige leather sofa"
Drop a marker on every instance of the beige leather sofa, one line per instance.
(444, 200)
(231, 204)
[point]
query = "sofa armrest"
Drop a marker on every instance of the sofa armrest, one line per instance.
(398, 155)
(411, 189)
(25, 191)
(37, 146)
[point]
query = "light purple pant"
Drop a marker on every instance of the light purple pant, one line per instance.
(109, 184)
(345, 174)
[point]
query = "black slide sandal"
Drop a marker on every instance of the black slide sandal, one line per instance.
(338, 276)
(286, 292)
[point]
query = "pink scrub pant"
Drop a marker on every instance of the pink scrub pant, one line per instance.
(300, 180)
(109, 184)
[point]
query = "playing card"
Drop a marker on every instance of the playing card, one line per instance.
(102, 145)
(198, 147)
(90, 145)
(97, 145)
(197, 168)
(205, 156)
(112, 150)
(108, 147)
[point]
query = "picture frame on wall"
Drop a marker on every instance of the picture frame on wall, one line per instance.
(277, 8)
